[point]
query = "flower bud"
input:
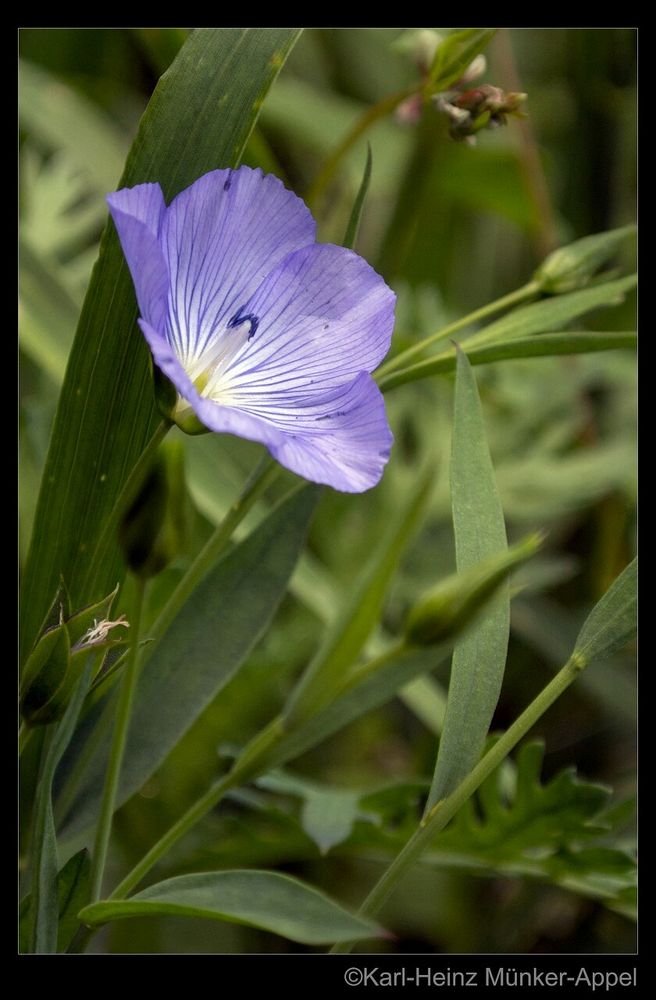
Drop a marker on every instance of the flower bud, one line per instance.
(572, 266)
(152, 530)
(57, 660)
(453, 603)
(478, 108)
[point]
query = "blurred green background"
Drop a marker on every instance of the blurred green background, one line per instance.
(450, 227)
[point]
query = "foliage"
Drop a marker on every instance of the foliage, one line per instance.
(279, 625)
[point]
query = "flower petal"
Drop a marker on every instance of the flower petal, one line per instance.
(138, 213)
(317, 320)
(341, 438)
(221, 237)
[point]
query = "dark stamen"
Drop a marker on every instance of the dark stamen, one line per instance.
(238, 319)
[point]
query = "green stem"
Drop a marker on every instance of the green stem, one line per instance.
(262, 477)
(369, 118)
(246, 767)
(527, 291)
(446, 809)
(121, 727)
(196, 812)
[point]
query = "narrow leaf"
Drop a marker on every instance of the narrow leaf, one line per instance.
(199, 118)
(73, 891)
(369, 693)
(612, 622)
(45, 899)
(351, 233)
(201, 650)
(479, 657)
(268, 900)
(543, 346)
(455, 53)
(360, 614)
(59, 116)
(553, 313)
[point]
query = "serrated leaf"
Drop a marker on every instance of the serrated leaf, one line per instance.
(612, 622)
(199, 118)
(199, 652)
(479, 657)
(268, 900)
(553, 831)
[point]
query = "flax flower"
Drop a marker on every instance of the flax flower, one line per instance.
(264, 332)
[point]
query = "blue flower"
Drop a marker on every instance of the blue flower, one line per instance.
(264, 332)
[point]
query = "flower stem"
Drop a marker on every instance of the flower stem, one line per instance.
(262, 477)
(121, 726)
(369, 118)
(444, 810)
(527, 291)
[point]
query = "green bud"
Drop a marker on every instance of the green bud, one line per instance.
(58, 658)
(571, 267)
(151, 534)
(45, 671)
(454, 603)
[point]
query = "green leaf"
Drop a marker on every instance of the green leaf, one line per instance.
(479, 657)
(48, 314)
(44, 865)
(200, 651)
(73, 891)
(59, 116)
(455, 53)
(199, 118)
(612, 621)
(360, 613)
(365, 694)
(543, 346)
(351, 233)
(328, 813)
(554, 832)
(553, 313)
(572, 266)
(268, 900)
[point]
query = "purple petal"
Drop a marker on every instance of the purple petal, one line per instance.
(138, 213)
(221, 237)
(316, 321)
(341, 438)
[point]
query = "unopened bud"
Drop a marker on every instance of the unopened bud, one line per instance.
(151, 532)
(453, 603)
(420, 44)
(572, 266)
(57, 660)
(478, 108)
